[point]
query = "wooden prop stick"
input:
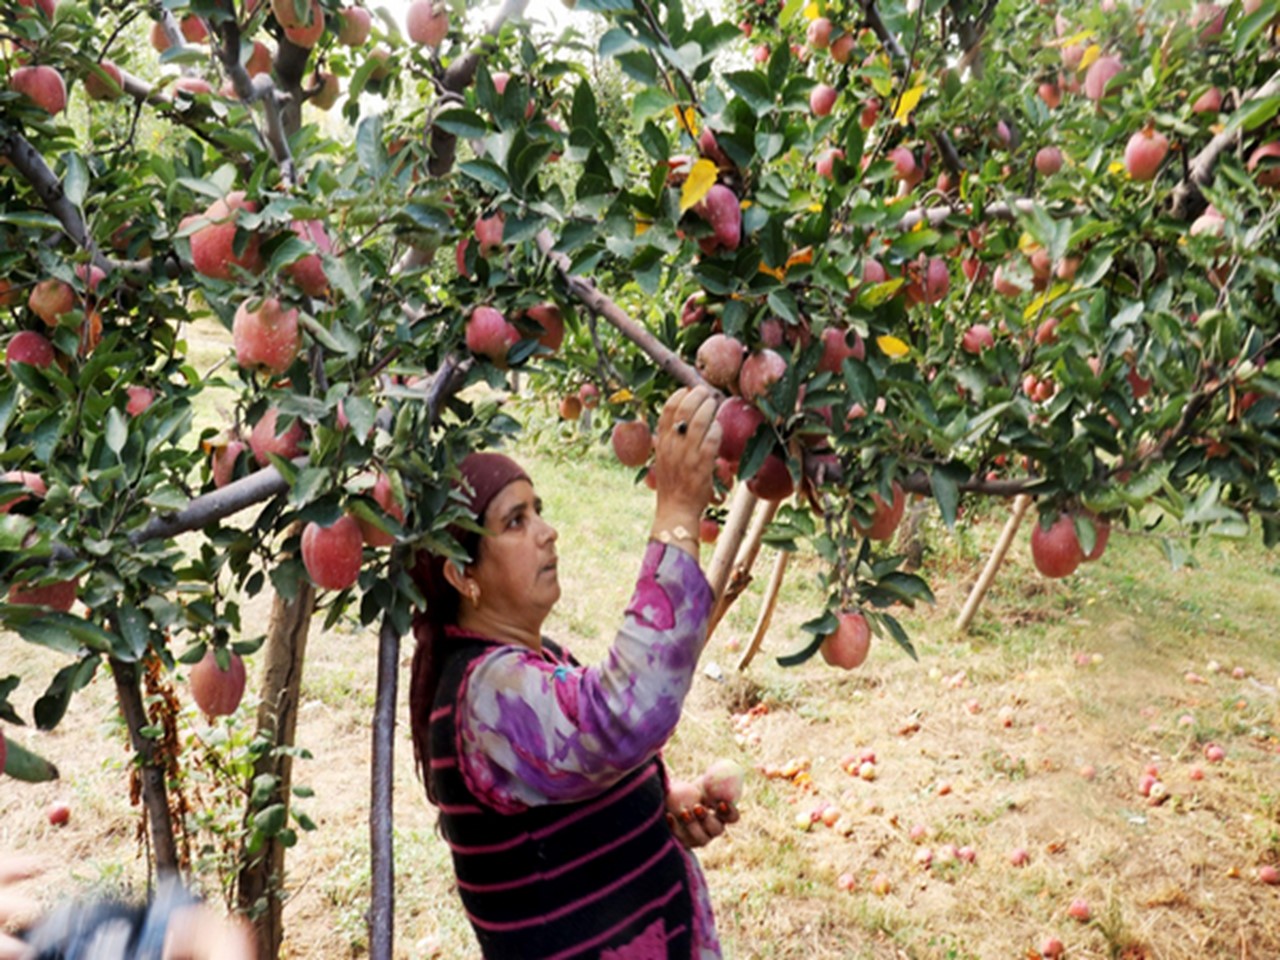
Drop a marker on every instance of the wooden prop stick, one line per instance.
(1020, 504)
(735, 528)
(766, 611)
(740, 575)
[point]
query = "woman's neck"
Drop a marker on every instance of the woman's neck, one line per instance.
(499, 628)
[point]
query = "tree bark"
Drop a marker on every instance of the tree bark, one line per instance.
(260, 885)
(155, 798)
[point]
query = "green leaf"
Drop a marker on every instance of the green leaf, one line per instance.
(271, 820)
(75, 182)
(896, 632)
(486, 172)
(783, 303)
(52, 705)
(1253, 114)
(309, 484)
(21, 764)
(31, 220)
(947, 494)
(801, 655)
(135, 632)
(617, 41)
(337, 339)
(117, 430)
(650, 103)
(14, 529)
(464, 123)
(752, 88)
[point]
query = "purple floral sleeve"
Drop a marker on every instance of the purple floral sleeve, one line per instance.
(534, 732)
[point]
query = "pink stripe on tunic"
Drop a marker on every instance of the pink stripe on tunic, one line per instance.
(660, 902)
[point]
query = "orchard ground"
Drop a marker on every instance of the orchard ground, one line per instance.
(984, 743)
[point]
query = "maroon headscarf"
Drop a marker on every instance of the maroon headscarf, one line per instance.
(482, 476)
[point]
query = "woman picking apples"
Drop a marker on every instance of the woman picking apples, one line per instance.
(567, 838)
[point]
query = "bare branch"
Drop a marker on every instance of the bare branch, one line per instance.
(995, 211)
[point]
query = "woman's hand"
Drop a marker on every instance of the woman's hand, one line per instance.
(15, 908)
(688, 440)
(694, 819)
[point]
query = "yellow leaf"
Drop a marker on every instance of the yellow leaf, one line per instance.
(1071, 41)
(1115, 166)
(910, 100)
(804, 255)
(812, 11)
(1091, 53)
(622, 396)
(1027, 244)
(702, 177)
(642, 226)
(815, 208)
(778, 273)
(892, 347)
(688, 119)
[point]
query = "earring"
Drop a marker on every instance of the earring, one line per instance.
(474, 595)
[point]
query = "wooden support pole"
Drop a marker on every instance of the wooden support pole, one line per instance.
(766, 611)
(381, 837)
(740, 572)
(1020, 504)
(741, 508)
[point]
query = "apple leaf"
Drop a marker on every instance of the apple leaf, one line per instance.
(702, 177)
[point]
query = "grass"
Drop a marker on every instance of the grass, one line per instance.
(1094, 670)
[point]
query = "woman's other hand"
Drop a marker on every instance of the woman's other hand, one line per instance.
(694, 819)
(688, 440)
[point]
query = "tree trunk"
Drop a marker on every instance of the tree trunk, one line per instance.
(261, 880)
(381, 834)
(155, 798)
(910, 539)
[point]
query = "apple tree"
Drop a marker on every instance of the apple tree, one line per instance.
(930, 248)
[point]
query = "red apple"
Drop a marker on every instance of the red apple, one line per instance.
(885, 520)
(333, 554)
(1144, 153)
(1079, 910)
(43, 86)
(873, 271)
(548, 316)
(708, 530)
(490, 335)
(1267, 158)
(1050, 94)
(819, 33)
(58, 813)
(50, 299)
(213, 246)
(46, 7)
(384, 496)
(27, 346)
(308, 272)
(330, 88)
(306, 34)
(266, 335)
(1208, 102)
(825, 164)
(32, 481)
(759, 373)
(589, 396)
(719, 360)
(842, 48)
(1052, 948)
(264, 440)
(139, 399)
(694, 309)
(772, 481)
(1101, 534)
(822, 99)
(217, 692)
(836, 349)
(109, 87)
(721, 209)
(1269, 875)
(632, 442)
(1099, 76)
(259, 61)
(977, 338)
(426, 22)
(1048, 161)
(489, 233)
(354, 25)
(1056, 549)
(223, 459)
(847, 646)
(904, 164)
(570, 407)
(738, 420)
(58, 595)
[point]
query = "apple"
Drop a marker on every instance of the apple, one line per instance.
(1099, 75)
(32, 481)
(305, 34)
(868, 114)
(326, 95)
(426, 23)
(720, 208)
(139, 399)
(589, 396)
(217, 692)
(1079, 910)
(490, 335)
(694, 309)
(759, 373)
(1269, 875)
(266, 335)
(259, 61)
(549, 318)
(772, 481)
(570, 407)
(738, 421)
(108, 87)
(43, 86)
(822, 99)
(1052, 948)
(1056, 549)
(1267, 157)
(333, 554)
(50, 299)
(719, 360)
(1006, 286)
(224, 457)
(264, 440)
(1050, 93)
(836, 349)
(354, 25)
(819, 33)
(308, 272)
(904, 164)
(708, 530)
(58, 813)
(58, 595)
(27, 346)
(632, 442)
(977, 338)
(159, 37)
(1101, 534)
(1047, 332)
(825, 164)
(1048, 161)
(1019, 857)
(885, 520)
(722, 782)
(1144, 153)
(760, 53)
(847, 646)
(213, 246)
(936, 281)
(384, 496)
(842, 48)
(1208, 102)
(46, 7)
(489, 233)
(1214, 753)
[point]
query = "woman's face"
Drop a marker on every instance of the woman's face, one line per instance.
(516, 567)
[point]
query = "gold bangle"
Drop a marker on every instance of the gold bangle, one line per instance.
(674, 535)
